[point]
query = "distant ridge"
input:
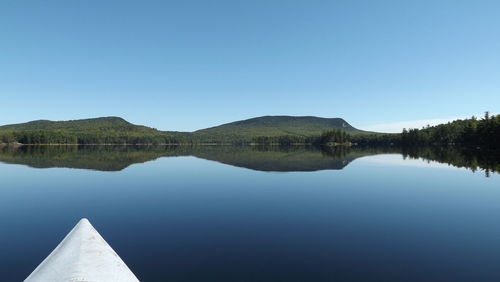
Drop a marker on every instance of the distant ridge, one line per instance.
(116, 130)
(69, 124)
(290, 121)
(298, 125)
(102, 130)
(280, 126)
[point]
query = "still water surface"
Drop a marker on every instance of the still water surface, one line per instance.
(240, 214)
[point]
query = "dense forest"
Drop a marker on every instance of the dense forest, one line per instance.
(329, 137)
(108, 130)
(268, 130)
(473, 132)
(281, 131)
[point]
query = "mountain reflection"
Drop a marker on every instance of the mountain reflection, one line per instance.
(281, 159)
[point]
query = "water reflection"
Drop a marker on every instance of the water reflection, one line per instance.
(170, 216)
(282, 159)
(473, 159)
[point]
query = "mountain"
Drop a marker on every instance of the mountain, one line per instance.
(86, 125)
(103, 130)
(115, 130)
(273, 126)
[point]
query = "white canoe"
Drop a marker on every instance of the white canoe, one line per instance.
(83, 255)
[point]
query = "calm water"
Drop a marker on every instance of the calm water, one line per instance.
(258, 214)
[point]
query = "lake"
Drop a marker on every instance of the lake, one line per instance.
(220, 213)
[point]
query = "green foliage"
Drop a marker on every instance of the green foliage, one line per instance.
(285, 140)
(268, 130)
(7, 137)
(273, 130)
(108, 130)
(469, 132)
(282, 130)
(332, 137)
(377, 139)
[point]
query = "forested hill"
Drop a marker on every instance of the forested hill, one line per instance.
(91, 124)
(104, 130)
(276, 126)
(115, 130)
(267, 130)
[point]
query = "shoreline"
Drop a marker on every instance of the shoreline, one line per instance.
(181, 144)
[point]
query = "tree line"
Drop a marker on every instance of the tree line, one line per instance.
(335, 136)
(62, 137)
(473, 132)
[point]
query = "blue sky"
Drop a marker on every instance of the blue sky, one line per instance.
(185, 65)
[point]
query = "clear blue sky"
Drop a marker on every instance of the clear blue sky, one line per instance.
(185, 65)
